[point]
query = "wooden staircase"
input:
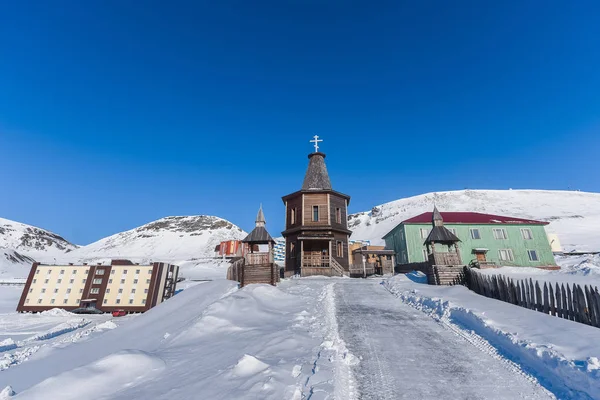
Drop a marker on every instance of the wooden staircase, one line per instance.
(337, 267)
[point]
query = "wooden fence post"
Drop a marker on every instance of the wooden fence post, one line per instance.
(552, 303)
(546, 303)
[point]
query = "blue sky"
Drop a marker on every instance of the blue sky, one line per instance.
(116, 113)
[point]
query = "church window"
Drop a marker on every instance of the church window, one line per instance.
(340, 249)
(338, 215)
(315, 213)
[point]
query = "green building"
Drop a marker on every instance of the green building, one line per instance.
(491, 240)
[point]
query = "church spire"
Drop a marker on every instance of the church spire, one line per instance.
(260, 217)
(437, 219)
(316, 177)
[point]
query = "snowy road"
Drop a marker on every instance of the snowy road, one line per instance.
(406, 354)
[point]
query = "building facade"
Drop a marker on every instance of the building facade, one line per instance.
(316, 225)
(122, 285)
(490, 240)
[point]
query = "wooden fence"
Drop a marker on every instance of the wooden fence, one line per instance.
(573, 302)
(247, 274)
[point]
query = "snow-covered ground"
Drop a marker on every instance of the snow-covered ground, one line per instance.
(573, 216)
(563, 355)
(317, 338)
(582, 269)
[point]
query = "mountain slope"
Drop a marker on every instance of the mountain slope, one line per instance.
(32, 241)
(167, 239)
(574, 216)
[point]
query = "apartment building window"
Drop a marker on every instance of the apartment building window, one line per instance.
(533, 256)
(52, 301)
(46, 281)
(71, 280)
(122, 280)
(118, 301)
(97, 281)
(339, 249)
(315, 214)
(87, 271)
(35, 280)
(78, 300)
(124, 272)
(132, 290)
(49, 272)
(526, 233)
(453, 230)
(506, 255)
(145, 290)
(74, 271)
(137, 271)
(110, 281)
(83, 280)
(475, 234)
(59, 281)
(338, 215)
(43, 290)
(100, 271)
(149, 271)
(500, 234)
(30, 290)
(26, 301)
(65, 301)
(424, 233)
(425, 255)
(37, 272)
(120, 290)
(105, 301)
(39, 301)
(62, 271)
(112, 272)
(55, 290)
(135, 281)
(147, 280)
(144, 301)
(80, 290)
(94, 291)
(68, 290)
(130, 301)
(107, 290)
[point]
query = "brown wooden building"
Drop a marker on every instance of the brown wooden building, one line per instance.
(316, 228)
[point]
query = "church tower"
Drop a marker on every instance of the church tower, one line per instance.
(316, 224)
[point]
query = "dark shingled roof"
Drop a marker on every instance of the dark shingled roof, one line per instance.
(259, 235)
(440, 234)
(316, 177)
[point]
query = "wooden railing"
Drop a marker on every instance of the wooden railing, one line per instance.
(315, 261)
(337, 267)
(258, 258)
(438, 258)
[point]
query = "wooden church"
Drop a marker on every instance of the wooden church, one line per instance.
(316, 224)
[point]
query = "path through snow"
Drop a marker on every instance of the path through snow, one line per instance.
(406, 354)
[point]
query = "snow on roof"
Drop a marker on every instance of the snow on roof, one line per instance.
(471, 218)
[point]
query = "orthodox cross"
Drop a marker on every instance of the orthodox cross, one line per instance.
(316, 141)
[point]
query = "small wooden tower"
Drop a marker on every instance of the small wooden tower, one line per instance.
(440, 235)
(316, 227)
(259, 265)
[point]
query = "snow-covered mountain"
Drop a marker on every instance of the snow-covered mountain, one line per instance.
(573, 216)
(32, 241)
(21, 244)
(167, 239)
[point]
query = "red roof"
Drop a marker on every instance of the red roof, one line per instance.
(471, 218)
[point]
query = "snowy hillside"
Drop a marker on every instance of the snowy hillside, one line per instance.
(21, 244)
(573, 216)
(168, 239)
(32, 241)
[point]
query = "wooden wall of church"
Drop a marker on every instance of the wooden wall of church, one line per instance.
(319, 200)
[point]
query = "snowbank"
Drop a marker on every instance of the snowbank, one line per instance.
(582, 269)
(562, 355)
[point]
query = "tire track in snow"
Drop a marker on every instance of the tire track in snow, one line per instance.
(476, 341)
(334, 349)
